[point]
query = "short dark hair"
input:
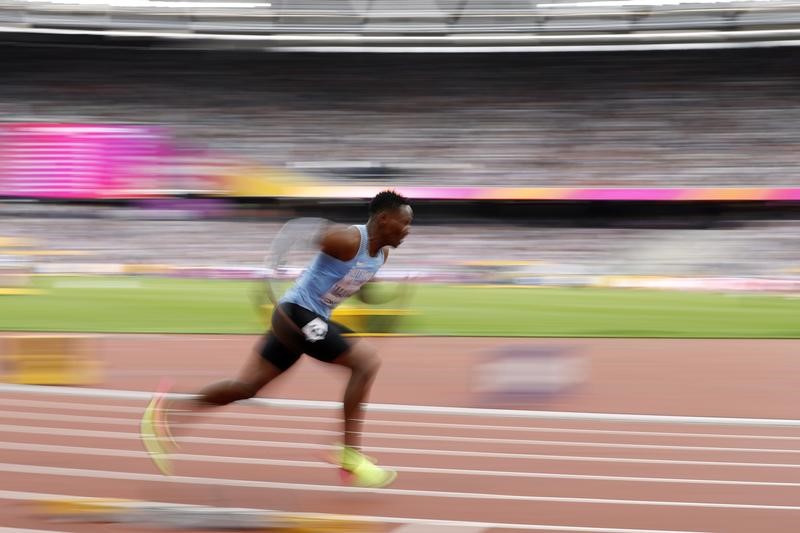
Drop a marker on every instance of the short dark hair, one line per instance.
(387, 201)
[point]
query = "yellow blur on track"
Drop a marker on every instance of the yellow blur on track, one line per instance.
(181, 516)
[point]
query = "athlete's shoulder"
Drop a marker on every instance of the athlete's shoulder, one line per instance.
(341, 242)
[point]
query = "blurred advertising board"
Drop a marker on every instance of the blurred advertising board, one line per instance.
(81, 161)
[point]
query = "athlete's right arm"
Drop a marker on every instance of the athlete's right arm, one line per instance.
(340, 242)
(297, 234)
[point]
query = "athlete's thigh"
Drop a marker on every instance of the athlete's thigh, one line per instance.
(324, 339)
(300, 330)
(336, 343)
(361, 356)
(274, 352)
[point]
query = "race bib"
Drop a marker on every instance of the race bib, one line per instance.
(315, 330)
(347, 286)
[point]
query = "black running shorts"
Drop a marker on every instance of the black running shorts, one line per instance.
(296, 330)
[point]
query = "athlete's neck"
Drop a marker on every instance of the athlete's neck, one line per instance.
(373, 243)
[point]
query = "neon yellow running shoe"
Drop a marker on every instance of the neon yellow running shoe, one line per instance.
(156, 445)
(364, 472)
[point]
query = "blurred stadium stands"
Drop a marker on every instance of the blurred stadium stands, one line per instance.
(97, 236)
(215, 86)
(688, 119)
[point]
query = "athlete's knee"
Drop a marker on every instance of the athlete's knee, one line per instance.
(369, 364)
(362, 360)
(375, 363)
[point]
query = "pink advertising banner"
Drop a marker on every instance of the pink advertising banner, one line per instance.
(93, 161)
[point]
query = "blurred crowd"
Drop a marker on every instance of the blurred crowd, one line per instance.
(721, 119)
(716, 119)
(102, 235)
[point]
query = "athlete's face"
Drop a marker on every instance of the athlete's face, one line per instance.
(396, 224)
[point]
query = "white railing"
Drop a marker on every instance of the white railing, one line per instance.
(419, 24)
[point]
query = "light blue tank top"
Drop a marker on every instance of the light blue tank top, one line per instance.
(328, 281)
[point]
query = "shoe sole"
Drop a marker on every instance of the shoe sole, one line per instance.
(391, 475)
(151, 441)
(348, 478)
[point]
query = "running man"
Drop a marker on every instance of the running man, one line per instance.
(348, 257)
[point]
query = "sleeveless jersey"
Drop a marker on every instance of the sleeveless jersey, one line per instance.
(329, 281)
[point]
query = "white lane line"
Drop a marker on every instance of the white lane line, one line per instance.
(426, 528)
(21, 530)
(134, 422)
(75, 406)
(194, 480)
(376, 435)
(417, 409)
(372, 435)
(407, 451)
(396, 437)
(106, 452)
(35, 496)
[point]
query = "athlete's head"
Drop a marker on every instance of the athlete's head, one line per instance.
(390, 215)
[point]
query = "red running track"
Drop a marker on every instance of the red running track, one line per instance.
(468, 472)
